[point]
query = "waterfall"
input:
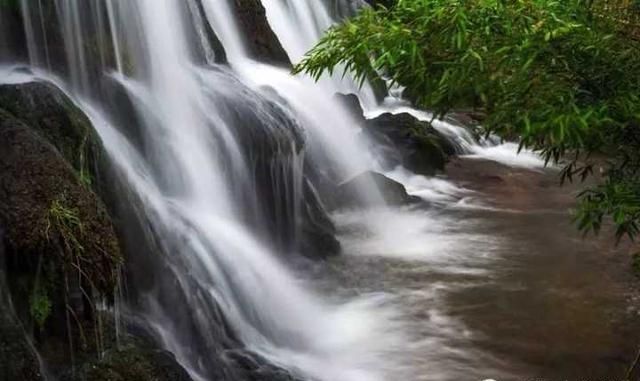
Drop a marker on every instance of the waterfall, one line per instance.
(213, 161)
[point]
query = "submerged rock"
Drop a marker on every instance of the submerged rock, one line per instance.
(401, 139)
(392, 192)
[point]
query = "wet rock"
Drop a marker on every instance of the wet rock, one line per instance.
(262, 42)
(352, 105)
(47, 166)
(317, 231)
(404, 140)
(392, 191)
(48, 112)
(60, 247)
(134, 360)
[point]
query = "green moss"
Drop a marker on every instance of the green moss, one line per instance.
(40, 306)
(64, 221)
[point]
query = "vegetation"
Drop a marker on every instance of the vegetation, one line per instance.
(562, 76)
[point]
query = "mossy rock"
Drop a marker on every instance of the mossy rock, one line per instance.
(407, 141)
(61, 248)
(136, 360)
(50, 113)
(40, 193)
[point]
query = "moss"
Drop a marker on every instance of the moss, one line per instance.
(40, 306)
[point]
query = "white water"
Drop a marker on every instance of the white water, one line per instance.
(187, 176)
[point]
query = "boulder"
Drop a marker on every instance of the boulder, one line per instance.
(401, 139)
(393, 193)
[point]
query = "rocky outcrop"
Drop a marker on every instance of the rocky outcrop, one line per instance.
(392, 192)
(59, 252)
(263, 44)
(401, 139)
(273, 145)
(404, 140)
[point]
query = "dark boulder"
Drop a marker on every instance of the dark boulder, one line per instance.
(393, 193)
(262, 42)
(401, 139)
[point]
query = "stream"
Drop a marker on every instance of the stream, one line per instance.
(494, 282)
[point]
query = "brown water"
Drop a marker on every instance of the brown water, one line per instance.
(497, 283)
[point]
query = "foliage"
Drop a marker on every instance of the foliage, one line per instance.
(556, 75)
(64, 222)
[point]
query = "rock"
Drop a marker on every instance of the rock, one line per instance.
(135, 360)
(352, 105)
(60, 247)
(262, 42)
(317, 231)
(274, 146)
(404, 140)
(48, 112)
(392, 191)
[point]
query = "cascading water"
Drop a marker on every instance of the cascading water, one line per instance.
(200, 154)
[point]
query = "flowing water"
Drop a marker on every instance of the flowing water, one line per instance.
(213, 161)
